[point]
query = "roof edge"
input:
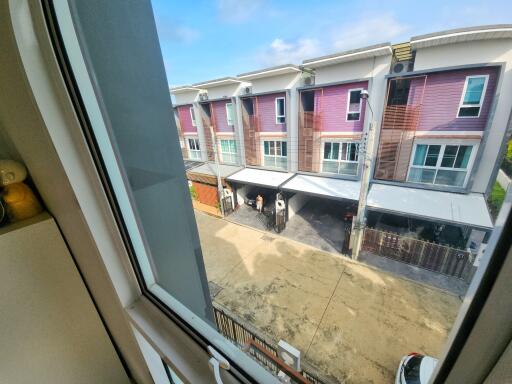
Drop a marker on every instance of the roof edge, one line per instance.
(347, 53)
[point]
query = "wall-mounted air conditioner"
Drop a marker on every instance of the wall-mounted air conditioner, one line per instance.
(402, 67)
(248, 90)
(203, 96)
(308, 80)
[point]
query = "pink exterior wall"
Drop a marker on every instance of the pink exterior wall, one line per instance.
(185, 119)
(441, 99)
(221, 119)
(333, 108)
(267, 113)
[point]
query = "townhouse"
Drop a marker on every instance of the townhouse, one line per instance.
(429, 133)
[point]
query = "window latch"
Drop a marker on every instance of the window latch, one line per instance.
(217, 361)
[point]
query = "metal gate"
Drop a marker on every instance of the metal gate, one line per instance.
(435, 257)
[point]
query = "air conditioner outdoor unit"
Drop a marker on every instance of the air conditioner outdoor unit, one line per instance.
(309, 80)
(203, 96)
(402, 67)
(248, 90)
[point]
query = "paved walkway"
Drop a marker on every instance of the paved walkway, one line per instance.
(350, 320)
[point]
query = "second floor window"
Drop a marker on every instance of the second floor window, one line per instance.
(193, 116)
(229, 113)
(275, 154)
(473, 96)
(440, 164)
(193, 149)
(340, 157)
(280, 110)
(228, 151)
(354, 105)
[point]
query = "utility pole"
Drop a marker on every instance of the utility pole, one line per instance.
(220, 188)
(360, 221)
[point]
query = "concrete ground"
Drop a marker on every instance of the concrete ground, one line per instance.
(320, 224)
(351, 321)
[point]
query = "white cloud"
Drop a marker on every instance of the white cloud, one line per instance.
(238, 11)
(368, 31)
(284, 52)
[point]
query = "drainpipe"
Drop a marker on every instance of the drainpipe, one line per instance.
(219, 181)
(367, 151)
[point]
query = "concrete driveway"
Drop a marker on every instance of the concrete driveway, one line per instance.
(350, 320)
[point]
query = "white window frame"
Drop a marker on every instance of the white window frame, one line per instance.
(192, 116)
(482, 98)
(284, 110)
(348, 104)
(338, 161)
(474, 143)
(230, 119)
(232, 154)
(191, 150)
(275, 140)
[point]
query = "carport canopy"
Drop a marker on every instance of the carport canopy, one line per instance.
(260, 177)
(456, 208)
(324, 187)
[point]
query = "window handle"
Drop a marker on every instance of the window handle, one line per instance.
(217, 361)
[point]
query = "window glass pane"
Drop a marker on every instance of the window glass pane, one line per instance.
(469, 111)
(284, 151)
(343, 155)
(354, 102)
(229, 113)
(278, 148)
(462, 159)
(450, 152)
(432, 155)
(280, 107)
(330, 166)
(266, 145)
(474, 90)
(353, 116)
(448, 177)
(348, 168)
(335, 151)
(352, 152)
(272, 147)
(327, 151)
(422, 175)
(420, 154)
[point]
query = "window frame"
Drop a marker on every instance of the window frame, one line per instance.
(482, 97)
(222, 153)
(228, 114)
(276, 106)
(339, 161)
(193, 150)
(347, 112)
(274, 156)
(443, 144)
(192, 116)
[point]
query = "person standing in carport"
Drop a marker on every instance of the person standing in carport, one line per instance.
(259, 203)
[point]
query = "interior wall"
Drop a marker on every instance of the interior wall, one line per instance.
(49, 327)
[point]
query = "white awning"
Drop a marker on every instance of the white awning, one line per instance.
(465, 209)
(324, 187)
(261, 177)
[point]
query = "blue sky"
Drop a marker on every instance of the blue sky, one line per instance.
(207, 39)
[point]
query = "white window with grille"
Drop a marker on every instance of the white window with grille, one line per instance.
(228, 151)
(340, 157)
(354, 104)
(442, 164)
(194, 151)
(275, 154)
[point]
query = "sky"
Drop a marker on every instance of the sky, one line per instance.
(208, 39)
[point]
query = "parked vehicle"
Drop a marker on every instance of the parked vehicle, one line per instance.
(415, 369)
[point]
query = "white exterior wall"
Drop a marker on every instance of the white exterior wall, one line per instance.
(224, 91)
(479, 52)
(295, 204)
(187, 97)
(275, 83)
(353, 70)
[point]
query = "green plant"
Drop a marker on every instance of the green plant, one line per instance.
(495, 199)
(193, 192)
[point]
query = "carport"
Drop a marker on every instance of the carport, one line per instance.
(319, 210)
(247, 184)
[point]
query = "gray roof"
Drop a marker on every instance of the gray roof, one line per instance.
(202, 83)
(191, 164)
(211, 169)
(270, 69)
(349, 52)
(461, 30)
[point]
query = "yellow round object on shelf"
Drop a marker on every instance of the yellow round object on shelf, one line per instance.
(20, 202)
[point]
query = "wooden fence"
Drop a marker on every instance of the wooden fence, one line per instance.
(435, 257)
